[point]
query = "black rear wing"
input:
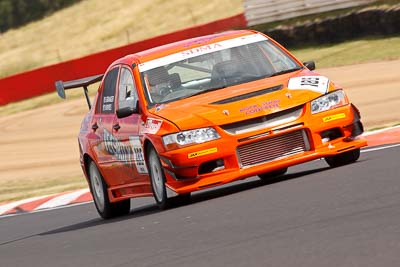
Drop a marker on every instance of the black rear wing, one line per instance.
(84, 82)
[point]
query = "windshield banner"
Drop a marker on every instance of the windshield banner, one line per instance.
(201, 50)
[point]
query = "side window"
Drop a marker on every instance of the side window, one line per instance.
(108, 96)
(126, 89)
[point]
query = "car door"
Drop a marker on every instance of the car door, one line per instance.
(132, 164)
(103, 143)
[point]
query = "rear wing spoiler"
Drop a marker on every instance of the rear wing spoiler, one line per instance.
(84, 82)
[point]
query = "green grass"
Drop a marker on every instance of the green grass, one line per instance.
(95, 25)
(45, 100)
(352, 52)
(13, 190)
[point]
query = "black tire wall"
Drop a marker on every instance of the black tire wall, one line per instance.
(379, 21)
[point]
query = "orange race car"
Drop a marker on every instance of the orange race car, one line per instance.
(204, 112)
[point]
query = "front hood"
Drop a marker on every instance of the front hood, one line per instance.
(240, 102)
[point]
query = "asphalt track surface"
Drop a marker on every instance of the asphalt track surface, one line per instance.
(313, 216)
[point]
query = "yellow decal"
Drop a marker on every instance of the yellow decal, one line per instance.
(202, 152)
(334, 117)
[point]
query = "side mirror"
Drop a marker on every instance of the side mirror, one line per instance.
(310, 65)
(128, 110)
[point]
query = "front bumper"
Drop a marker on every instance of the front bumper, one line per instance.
(237, 156)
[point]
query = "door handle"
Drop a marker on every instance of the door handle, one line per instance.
(116, 127)
(95, 126)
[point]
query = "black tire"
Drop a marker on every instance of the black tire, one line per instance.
(343, 158)
(157, 179)
(269, 175)
(98, 188)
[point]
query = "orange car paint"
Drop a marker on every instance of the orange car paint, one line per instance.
(182, 165)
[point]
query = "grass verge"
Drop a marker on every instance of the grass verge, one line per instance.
(95, 25)
(44, 100)
(364, 50)
(13, 190)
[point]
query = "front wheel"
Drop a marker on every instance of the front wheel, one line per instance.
(157, 179)
(104, 207)
(343, 158)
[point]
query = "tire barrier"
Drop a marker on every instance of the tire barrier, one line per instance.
(382, 21)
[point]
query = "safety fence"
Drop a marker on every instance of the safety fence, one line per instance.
(263, 11)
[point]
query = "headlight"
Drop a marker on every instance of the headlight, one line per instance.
(186, 138)
(329, 101)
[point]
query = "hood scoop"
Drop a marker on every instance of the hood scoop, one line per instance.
(248, 95)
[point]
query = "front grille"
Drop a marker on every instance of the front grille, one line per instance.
(273, 148)
(264, 122)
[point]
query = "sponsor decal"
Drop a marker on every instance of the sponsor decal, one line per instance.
(152, 126)
(122, 151)
(272, 104)
(202, 152)
(128, 152)
(202, 50)
(199, 42)
(138, 155)
(317, 84)
(334, 117)
(108, 101)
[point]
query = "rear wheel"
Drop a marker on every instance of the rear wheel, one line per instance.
(269, 175)
(343, 158)
(104, 207)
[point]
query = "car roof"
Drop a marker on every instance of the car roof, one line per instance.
(167, 49)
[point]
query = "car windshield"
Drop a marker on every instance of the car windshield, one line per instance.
(213, 70)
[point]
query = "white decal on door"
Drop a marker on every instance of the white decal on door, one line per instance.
(138, 155)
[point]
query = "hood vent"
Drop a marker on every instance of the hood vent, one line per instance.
(249, 95)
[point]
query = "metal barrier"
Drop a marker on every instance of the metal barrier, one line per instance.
(263, 11)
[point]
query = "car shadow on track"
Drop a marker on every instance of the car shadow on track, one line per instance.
(135, 213)
(233, 189)
(199, 197)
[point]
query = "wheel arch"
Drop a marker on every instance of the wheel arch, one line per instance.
(147, 144)
(86, 162)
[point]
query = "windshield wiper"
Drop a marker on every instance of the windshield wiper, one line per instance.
(240, 81)
(208, 90)
(285, 71)
(186, 96)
